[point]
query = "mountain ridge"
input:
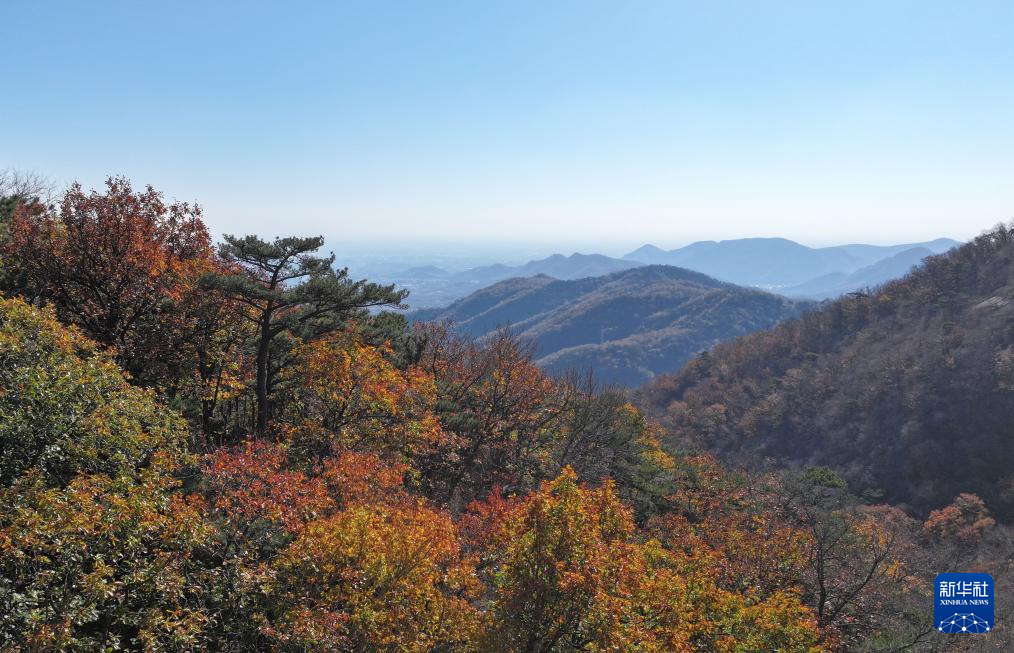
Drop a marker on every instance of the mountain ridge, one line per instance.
(871, 276)
(627, 325)
(774, 262)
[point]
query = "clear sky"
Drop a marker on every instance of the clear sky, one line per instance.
(528, 121)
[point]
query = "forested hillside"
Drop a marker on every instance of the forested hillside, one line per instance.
(230, 448)
(627, 326)
(908, 392)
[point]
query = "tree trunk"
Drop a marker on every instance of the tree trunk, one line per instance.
(263, 349)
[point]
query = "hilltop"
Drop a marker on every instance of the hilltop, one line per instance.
(627, 326)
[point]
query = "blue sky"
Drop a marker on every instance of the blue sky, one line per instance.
(571, 122)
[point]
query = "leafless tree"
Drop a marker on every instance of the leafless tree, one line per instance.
(26, 185)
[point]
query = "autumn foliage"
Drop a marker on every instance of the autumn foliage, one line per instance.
(106, 561)
(347, 394)
(571, 572)
(965, 519)
(314, 477)
(121, 266)
(65, 407)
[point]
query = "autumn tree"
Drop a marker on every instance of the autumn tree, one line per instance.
(26, 185)
(353, 561)
(18, 189)
(121, 266)
(290, 291)
(857, 567)
(345, 394)
(965, 519)
(741, 521)
(259, 497)
(602, 435)
(216, 358)
(105, 563)
(853, 555)
(569, 574)
(561, 565)
(377, 577)
(500, 409)
(65, 407)
(97, 543)
(28, 192)
(263, 495)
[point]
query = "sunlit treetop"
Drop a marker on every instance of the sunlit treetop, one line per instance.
(65, 407)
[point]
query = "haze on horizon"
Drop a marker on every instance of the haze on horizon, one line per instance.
(572, 123)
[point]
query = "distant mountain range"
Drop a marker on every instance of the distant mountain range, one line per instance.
(558, 266)
(433, 286)
(774, 264)
(628, 325)
(835, 284)
(777, 263)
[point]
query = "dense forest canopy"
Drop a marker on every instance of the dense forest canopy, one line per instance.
(222, 448)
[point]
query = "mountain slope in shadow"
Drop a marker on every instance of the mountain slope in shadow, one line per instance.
(907, 391)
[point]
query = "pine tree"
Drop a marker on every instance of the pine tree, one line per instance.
(290, 290)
